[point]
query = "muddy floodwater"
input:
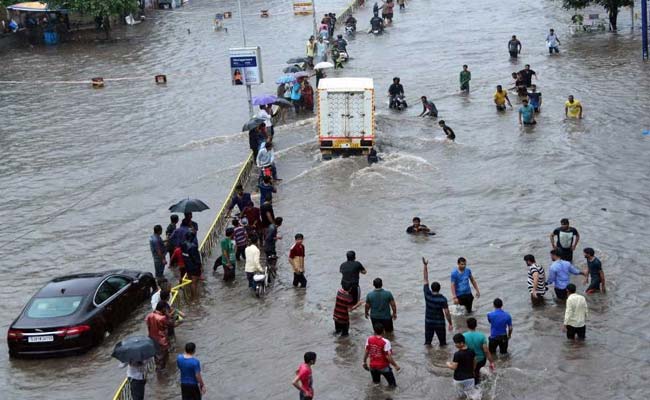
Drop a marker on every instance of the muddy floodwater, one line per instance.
(85, 174)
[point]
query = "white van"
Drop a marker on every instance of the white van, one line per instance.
(346, 116)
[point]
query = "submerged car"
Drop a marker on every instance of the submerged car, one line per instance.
(72, 313)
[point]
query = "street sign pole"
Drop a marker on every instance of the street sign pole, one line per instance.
(249, 93)
(644, 28)
(313, 13)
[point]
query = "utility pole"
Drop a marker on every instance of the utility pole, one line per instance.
(313, 12)
(644, 28)
(243, 36)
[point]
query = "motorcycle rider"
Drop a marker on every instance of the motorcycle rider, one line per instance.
(376, 23)
(395, 90)
(351, 22)
(341, 44)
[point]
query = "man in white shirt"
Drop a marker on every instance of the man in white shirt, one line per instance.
(552, 41)
(252, 261)
(266, 158)
(266, 114)
(575, 315)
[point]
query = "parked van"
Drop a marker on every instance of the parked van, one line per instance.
(346, 116)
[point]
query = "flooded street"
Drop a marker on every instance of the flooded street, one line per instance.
(87, 173)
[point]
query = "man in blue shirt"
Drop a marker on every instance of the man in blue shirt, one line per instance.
(240, 199)
(157, 251)
(560, 274)
(460, 290)
(192, 386)
(500, 328)
(436, 310)
(526, 113)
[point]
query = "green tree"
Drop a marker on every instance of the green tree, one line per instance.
(99, 8)
(611, 6)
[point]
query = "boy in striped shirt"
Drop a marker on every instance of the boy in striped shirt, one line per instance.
(241, 240)
(344, 304)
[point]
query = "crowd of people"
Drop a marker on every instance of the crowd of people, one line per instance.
(252, 238)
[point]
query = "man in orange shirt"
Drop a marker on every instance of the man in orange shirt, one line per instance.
(157, 325)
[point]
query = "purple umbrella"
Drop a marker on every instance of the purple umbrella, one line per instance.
(264, 99)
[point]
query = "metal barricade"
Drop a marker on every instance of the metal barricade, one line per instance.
(220, 222)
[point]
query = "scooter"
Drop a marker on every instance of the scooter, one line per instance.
(398, 102)
(264, 171)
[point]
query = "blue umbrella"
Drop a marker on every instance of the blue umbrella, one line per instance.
(286, 79)
(264, 99)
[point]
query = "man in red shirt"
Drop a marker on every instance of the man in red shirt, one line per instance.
(297, 261)
(344, 304)
(157, 325)
(303, 380)
(252, 215)
(379, 351)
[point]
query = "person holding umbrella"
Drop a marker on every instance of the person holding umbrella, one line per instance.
(134, 353)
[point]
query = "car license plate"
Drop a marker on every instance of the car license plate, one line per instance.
(40, 339)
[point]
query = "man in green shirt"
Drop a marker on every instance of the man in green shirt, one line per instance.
(465, 77)
(379, 304)
(477, 342)
(228, 254)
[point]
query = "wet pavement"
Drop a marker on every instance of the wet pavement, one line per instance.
(89, 172)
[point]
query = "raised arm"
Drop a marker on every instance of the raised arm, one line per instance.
(425, 270)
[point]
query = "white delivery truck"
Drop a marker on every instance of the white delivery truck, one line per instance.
(346, 116)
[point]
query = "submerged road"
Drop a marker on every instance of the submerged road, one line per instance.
(130, 150)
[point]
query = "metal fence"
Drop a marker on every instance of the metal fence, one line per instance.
(221, 220)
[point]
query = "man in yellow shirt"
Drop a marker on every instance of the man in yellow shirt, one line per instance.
(572, 108)
(500, 99)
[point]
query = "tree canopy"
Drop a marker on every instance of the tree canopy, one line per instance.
(611, 6)
(97, 8)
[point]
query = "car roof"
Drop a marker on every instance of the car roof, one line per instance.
(77, 284)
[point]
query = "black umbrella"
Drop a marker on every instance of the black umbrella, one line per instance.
(252, 124)
(292, 69)
(297, 60)
(135, 348)
(189, 205)
(282, 102)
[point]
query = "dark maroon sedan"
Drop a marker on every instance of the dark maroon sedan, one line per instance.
(73, 313)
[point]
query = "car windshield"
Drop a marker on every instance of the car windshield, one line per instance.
(50, 307)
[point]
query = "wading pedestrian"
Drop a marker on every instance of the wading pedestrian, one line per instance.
(460, 290)
(500, 328)
(436, 310)
(463, 365)
(304, 380)
(478, 343)
(565, 239)
(192, 386)
(228, 255)
(575, 315)
(158, 251)
(252, 261)
(380, 353)
(297, 261)
(157, 327)
(536, 280)
(514, 47)
(465, 77)
(379, 304)
(342, 307)
(595, 271)
(350, 271)
(560, 273)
